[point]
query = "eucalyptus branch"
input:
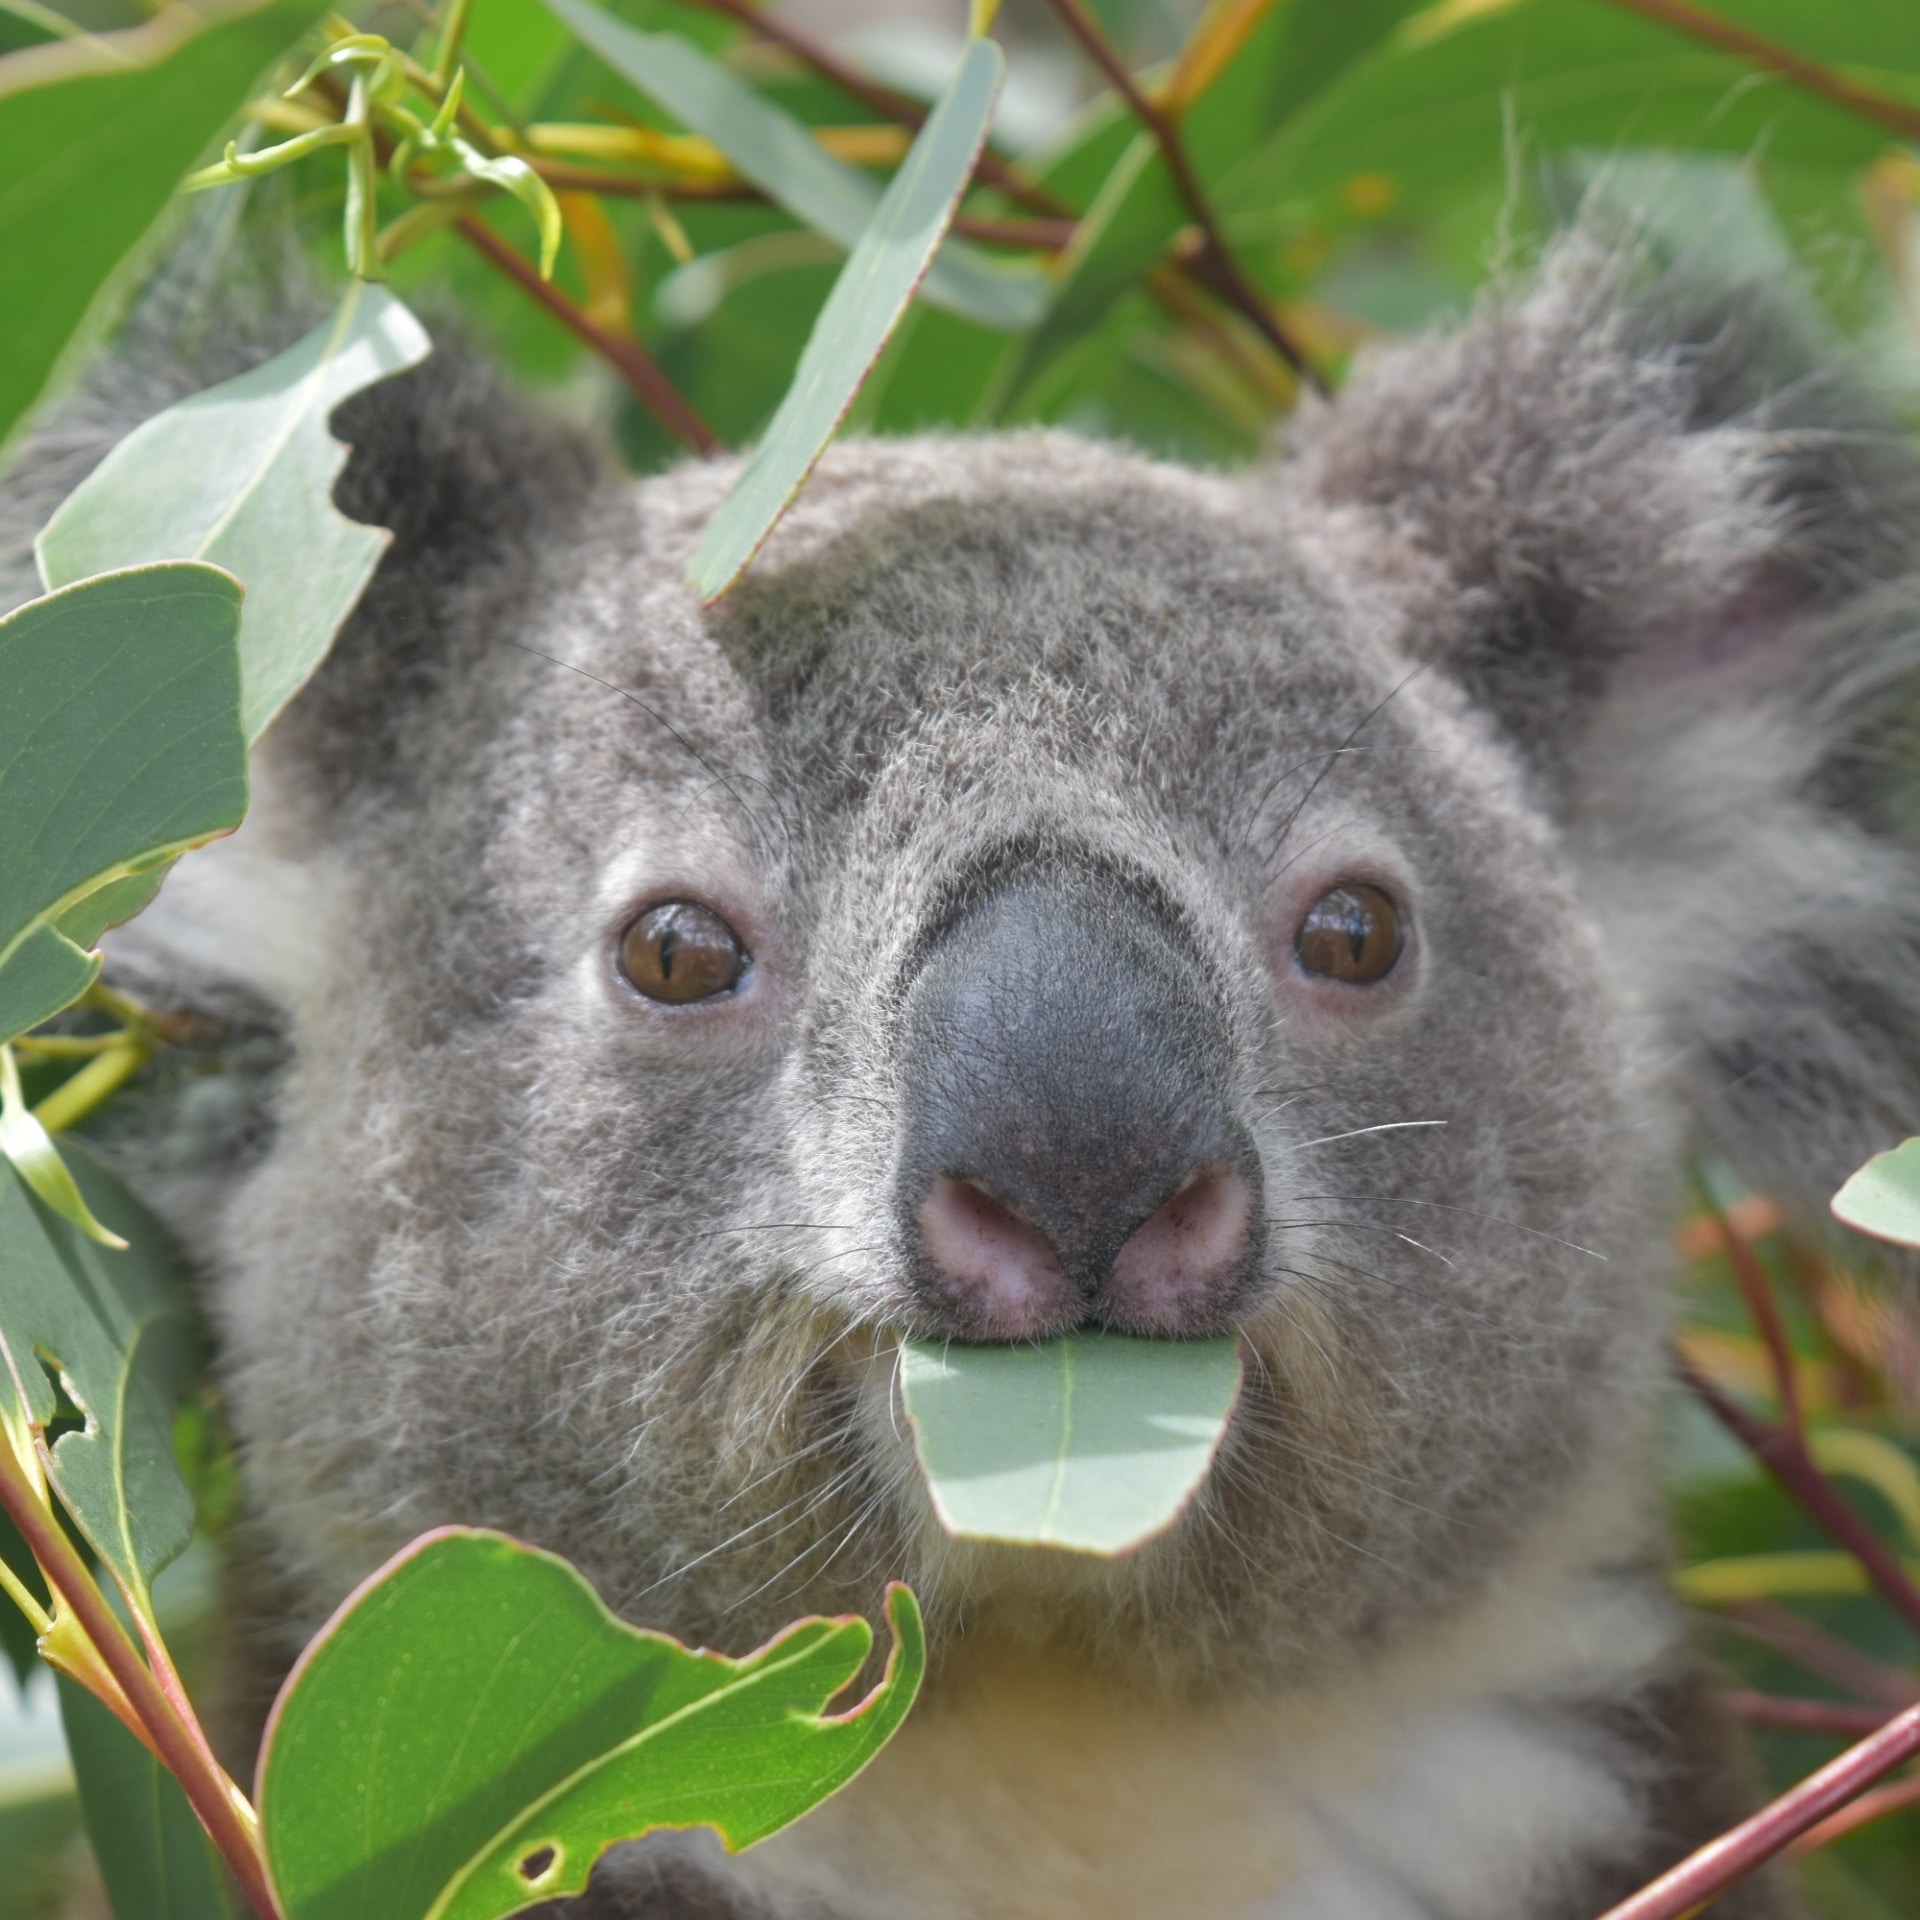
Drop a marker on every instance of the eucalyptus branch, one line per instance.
(886, 101)
(1727, 36)
(1716, 1866)
(1805, 1716)
(1784, 1455)
(1875, 1804)
(1757, 1291)
(178, 1741)
(1214, 263)
(635, 365)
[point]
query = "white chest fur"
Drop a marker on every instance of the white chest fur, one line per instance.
(1445, 1777)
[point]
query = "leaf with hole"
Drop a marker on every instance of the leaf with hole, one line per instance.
(1096, 1442)
(1883, 1198)
(869, 297)
(473, 1729)
(116, 1330)
(242, 475)
(778, 154)
(120, 746)
(95, 132)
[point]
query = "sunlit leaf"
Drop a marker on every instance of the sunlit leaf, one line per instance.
(473, 1729)
(865, 306)
(155, 1859)
(120, 745)
(242, 475)
(26, 1145)
(94, 134)
(1883, 1198)
(117, 1328)
(1096, 1442)
(769, 147)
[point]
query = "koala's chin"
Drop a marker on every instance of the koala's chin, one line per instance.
(1318, 905)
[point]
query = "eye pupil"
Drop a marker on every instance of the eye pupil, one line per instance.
(1352, 933)
(680, 951)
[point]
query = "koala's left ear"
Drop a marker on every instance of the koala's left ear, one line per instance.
(1664, 540)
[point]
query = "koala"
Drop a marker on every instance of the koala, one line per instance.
(1322, 903)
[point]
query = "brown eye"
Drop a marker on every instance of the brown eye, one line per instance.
(1351, 933)
(678, 952)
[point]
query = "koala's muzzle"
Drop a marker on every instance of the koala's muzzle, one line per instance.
(1067, 1152)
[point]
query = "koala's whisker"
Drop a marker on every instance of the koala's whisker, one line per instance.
(767, 1226)
(1354, 1133)
(1442, 1206)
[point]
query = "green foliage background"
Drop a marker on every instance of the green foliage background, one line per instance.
(1290, 179)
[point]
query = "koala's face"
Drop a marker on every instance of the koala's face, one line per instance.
(1049, 894)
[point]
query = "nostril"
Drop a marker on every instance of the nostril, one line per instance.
(999, 1273)
(1179, 1266)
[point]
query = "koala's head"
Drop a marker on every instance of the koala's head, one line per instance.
(1059, 890)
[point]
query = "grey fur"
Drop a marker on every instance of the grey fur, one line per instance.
(1587, 631)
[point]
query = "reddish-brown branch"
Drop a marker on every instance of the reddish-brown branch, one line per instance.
(1875, 1804)
(1823, 1655)
(888, 102)
(1213, 263)
(1805, 1716)
(635, 365)
(208, 1790)
(1751, 1278)
(1784, 1455)
(1727, 36)
(1753, 1842)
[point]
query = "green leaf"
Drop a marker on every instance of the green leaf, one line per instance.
(242, 475)
(120, 745)
(117, 1328)
(781, 157)
(473, 1729)
(1883, 1198)
(154, 1856)
(26, 1144)
(1095, 1442)
(869, 297)
(95, 132)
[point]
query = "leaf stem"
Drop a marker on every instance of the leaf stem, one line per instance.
(1805, 1716)
(211, 1793)
(1214, 264)
(642, 373)
(1757, 1291)
(1699, 23)
(1784, 1455)
(102, 1077)
(1704, 1875)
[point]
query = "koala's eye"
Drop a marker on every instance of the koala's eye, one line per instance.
(678, 952)
(1351, 933)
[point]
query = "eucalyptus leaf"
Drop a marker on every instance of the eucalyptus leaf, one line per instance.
(777, 153)
(26, 1144)
(95, 132)
(1094, 1442)
(1883, 1198)
(869, 297)
(473, 1729)
(120, 746)
(155, 1859)
(117, 1328)
(242, 475)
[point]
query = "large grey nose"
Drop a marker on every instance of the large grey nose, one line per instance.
(1067, 1151)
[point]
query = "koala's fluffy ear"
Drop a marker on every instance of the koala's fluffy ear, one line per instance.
(1668, 545)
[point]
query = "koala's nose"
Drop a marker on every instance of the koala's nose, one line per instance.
(1067, 1152)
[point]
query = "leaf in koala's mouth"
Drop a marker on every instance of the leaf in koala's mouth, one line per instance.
(1095, 1442)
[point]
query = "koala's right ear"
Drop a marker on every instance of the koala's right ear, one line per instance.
(1665, 544)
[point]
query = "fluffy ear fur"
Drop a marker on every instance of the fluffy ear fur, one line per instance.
(1675, 553)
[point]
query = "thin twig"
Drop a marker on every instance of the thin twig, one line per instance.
(1900, 1797)
(1784, 1455)
(635, 365)
(1824, 1655)
(213, 1796)
(1706, 1874)
(1805, 1716)
(1757, 1291)
(888, 102)
(1698, 23)
(1214, 263)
